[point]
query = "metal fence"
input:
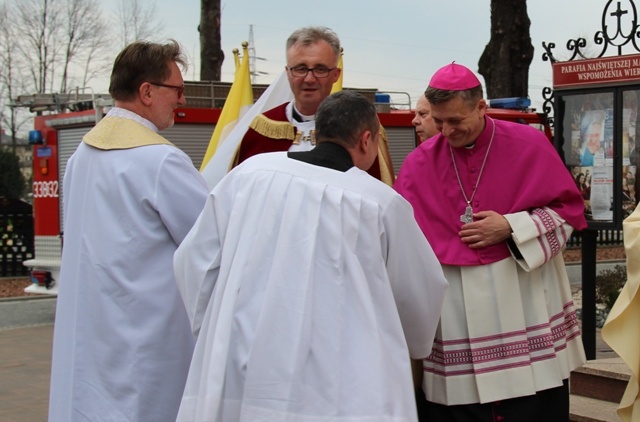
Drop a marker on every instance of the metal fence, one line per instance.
(16, 237)
(604, 238)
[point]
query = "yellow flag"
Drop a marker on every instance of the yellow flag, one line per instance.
(239, 100)
(337, 85)
(236, 61)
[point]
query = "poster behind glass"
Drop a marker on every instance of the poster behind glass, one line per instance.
(629, 157)
(588, 126)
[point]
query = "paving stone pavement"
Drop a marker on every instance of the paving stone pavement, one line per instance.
(25, 358)
(25, 369)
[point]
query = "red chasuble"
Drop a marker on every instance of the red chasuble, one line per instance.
(272, 132)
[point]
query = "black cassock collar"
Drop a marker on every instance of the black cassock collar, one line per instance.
(325, 154)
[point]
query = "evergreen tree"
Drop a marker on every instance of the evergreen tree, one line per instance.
(12, 183)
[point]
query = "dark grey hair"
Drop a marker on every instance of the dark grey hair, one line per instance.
(312, 34)
(343, 116)
(470, 96)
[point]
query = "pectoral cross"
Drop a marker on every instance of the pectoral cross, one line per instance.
(467, 217)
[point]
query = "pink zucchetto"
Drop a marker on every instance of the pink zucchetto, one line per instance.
(454, 77)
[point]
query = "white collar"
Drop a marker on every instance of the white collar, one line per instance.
(128, 114)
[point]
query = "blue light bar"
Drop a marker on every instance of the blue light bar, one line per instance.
(511, 103)
(35, 137)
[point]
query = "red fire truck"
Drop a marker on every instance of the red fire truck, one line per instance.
(56, 136)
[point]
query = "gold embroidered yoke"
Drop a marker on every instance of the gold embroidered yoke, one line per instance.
(122, 133)
(273, 131)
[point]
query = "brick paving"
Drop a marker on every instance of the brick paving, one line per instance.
(25, 367)
(25, 362)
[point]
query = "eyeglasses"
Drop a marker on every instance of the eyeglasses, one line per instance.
(180, 88)
(303, 71)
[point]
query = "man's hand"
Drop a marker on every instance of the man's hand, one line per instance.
(488, 228)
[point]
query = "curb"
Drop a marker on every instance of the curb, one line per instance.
(26, 298)
(606, 261)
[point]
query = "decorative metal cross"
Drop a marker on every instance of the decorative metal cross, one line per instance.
(467, 217)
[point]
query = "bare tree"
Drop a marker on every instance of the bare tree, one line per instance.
(10, 75)
(211, 54)
(46, 44)
(85, 31)
(96, 61)
(7, 44)
(137, 22)
(506, 59)
(39, 23)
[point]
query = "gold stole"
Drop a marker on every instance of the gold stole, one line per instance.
(122, 133)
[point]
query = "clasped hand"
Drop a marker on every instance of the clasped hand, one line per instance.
(488, 228)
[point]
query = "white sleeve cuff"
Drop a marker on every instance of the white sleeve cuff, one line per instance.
(536, 245)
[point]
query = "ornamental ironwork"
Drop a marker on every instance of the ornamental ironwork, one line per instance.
(619, 30)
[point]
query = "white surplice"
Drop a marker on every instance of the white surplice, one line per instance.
(308, 289)
(519, 333)
(122, 342)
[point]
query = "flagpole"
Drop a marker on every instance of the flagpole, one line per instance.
(239, 99)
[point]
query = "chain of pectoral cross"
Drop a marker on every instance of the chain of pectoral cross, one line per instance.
(467, 217)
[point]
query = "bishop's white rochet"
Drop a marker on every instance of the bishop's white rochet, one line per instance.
(467, 217)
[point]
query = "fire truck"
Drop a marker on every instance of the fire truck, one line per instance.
(56, 136)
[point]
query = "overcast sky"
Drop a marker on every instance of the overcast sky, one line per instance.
(394, 46)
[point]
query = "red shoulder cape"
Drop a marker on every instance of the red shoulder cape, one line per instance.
(254, 143)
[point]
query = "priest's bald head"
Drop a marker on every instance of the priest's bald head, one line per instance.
(350, 120)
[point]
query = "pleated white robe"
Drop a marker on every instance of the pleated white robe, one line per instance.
(122, 341)
(508, 329)
(308, 289)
